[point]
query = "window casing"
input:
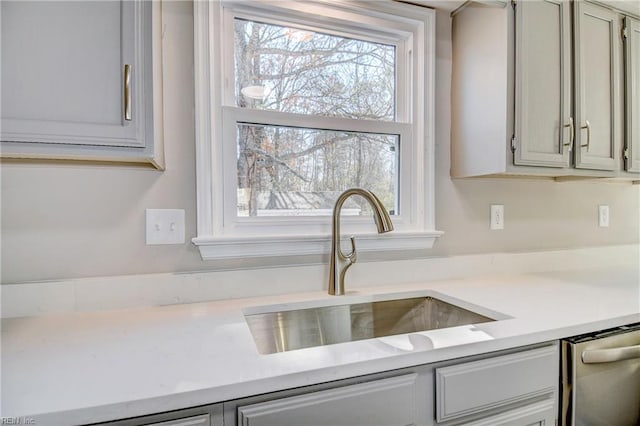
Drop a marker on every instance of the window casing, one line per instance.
(223, 233)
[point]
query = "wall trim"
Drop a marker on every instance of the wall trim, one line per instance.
(133, 291)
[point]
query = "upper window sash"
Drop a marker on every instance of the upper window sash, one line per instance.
(344, 22)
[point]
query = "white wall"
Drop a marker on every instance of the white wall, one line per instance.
(63, 221)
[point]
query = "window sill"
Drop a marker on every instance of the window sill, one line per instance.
(227, 248)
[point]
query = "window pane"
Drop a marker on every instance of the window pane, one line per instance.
(287, 171)
(298, 71)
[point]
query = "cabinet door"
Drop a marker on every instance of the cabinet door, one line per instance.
(541, 413)
(632, 97)
(384, 402)
(76, 75)
(461, 389)
(191, 421)
(543, 123)
(201, 416)
(597, 76)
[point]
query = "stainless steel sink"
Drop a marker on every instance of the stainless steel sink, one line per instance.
(304, 328)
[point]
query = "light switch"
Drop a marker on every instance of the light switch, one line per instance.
(165, 226)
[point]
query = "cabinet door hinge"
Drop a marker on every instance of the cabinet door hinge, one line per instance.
(625, 33)
(513, 3)
(513, 144)
(626, 153)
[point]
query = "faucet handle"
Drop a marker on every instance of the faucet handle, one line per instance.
(353, 256)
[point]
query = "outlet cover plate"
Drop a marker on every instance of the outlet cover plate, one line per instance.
(603, 216)
(497, 216)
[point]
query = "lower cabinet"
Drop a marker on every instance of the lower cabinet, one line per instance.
(541, 413)
(385, 402)
(509, 388)
(518, 388)
(209, 415)
(203, 420)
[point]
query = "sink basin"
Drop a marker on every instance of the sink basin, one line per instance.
(288, 330)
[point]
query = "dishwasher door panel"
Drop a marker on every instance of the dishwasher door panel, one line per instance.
(602, 391)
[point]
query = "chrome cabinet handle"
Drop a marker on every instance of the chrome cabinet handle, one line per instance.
(598, 356)
(588, 127)
(572, 134)
(127, 92)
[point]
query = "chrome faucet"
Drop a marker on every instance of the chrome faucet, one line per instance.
(340, 262)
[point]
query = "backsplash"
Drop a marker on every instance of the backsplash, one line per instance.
(130, 291)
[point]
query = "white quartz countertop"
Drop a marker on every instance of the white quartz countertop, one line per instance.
(81, 368)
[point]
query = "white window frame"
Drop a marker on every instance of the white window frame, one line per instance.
(223, 235)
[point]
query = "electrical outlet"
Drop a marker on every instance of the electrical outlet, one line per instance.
(603, 216)
(497, 216)
(165, 226)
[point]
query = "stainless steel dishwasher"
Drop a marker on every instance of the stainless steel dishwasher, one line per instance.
(601, 378)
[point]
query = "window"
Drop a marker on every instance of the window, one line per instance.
(298, 101)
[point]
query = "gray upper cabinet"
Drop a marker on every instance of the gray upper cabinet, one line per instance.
(632, 94)
(597, 77)
(78, 81)
(543, 84)
(537, 89)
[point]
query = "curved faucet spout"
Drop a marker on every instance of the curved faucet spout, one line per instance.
(340, 262)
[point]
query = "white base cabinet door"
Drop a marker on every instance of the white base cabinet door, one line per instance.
(210, 415)
(385, 402)
(519, 388)
(539, 414)
(204, 420)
